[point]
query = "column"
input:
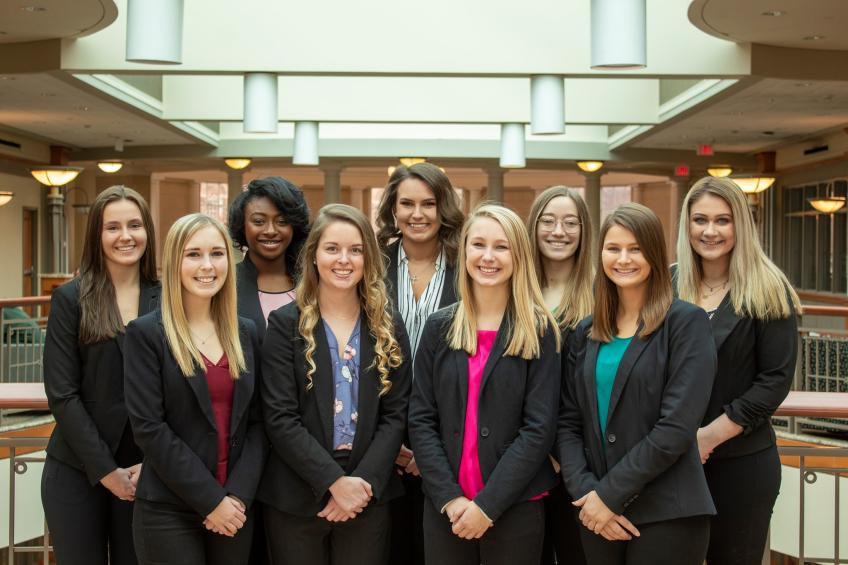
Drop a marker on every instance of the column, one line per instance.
(235, 181)
(332, 183)
(472, 197)
(593, 198)
(495, 187)
(58, 236)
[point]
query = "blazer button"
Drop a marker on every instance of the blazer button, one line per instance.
(484, 431)
(611, 438)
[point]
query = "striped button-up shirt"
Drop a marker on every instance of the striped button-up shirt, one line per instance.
(415, 312)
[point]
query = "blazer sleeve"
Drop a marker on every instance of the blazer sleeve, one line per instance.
(520, 462)
(377, 464)
(570, 445)
(290, 439)
(690, 374)
(776, 350)
(175, 463)
(440, 482)
(63, 384)
(243, 478)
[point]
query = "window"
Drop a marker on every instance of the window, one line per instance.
(814, 244)
(213, 200)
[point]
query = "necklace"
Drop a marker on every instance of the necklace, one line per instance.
(204, 340)
(711, 290)
(414, 278)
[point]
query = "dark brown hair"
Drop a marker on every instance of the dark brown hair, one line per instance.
(100, 318)
(450, 214)
(648, 231)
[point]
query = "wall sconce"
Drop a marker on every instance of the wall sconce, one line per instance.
(6, 197)
(238, 163)
(590, 166)
(719, 171)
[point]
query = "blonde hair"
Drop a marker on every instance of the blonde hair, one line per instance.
(758, 288)
(223, 307)
(371, 289)
(647, 229)
(576, 301)
(528, 314)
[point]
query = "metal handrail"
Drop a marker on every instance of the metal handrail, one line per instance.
(18, 466)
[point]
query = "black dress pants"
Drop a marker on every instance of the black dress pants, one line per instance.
(672, 542)
(514, 539)
(744, 491)
(168, 534)
(407, 544)
(309, 540)
(563, 544)
(88, 524)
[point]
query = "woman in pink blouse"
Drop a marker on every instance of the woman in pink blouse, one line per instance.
(484, 403)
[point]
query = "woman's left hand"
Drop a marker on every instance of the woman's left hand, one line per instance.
(472, 524)
(594, 514)
(135, 471)
(706, 443)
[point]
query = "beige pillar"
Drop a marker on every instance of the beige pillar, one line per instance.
(235, 182)
(332, 183)
(593, 198)
(495, 186)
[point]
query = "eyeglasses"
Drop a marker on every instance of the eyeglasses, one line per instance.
(549, 223)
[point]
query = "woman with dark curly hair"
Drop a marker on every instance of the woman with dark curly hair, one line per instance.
(270, 221)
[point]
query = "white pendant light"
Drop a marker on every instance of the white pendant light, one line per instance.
(547, 104)
(753, 185)
(260, 103)
(110, 166)
(619, 38)
(55, 175)
(305, 143)
(512, 146)
(155, 31)
(6, 197)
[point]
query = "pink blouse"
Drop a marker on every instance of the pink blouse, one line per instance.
(470, 477)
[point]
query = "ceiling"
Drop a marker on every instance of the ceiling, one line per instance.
(35, 20)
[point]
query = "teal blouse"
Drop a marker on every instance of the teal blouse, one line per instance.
(609, 357)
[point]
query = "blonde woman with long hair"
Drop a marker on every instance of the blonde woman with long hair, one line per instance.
(336, 386)
(192, 391)
(752, 308)
(635, 384)
(482, 417)
(561, 241)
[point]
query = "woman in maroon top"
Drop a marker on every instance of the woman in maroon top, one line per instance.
(191, 381)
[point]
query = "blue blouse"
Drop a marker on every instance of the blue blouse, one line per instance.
(609, 358)
(346, 380)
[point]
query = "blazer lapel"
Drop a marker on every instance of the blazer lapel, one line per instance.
(460, 358)
(591, 361)
(723, 321)
(369, 391)
(448, 287)
(148, 301)
(248, 293)
(243, 389)
(322, 383)
(198, 385)
(497, 351)
(392, 274)
(631, 355)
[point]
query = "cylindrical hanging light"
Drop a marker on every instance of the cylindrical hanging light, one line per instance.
(547, 104)
(619, 38)
(512, 146)
(305, 143)
(260, 103)
(155, 31)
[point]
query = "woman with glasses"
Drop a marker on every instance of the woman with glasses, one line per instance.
(561, 239)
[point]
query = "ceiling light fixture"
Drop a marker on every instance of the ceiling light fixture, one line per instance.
(590, 166)
(6, 197)
(619, 40)
(260, 103)
(547, 104)
(305, 144)
(409, 161)
(512, 146)
(155, 31)
(754, 185)
(827, 205)
(110, 166)
(238, 163)
(55, 175)
(720, 171)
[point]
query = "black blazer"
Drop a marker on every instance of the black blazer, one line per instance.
(301, 467)
(174, 425)
(448, 289)
(248, 294)
(647, 466)
(516, 418)
(85, 385)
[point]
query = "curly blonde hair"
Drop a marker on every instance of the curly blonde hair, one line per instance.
(373, 296)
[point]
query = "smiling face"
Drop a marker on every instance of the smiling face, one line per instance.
(488, 257)
(711, 231)
(340, 256)
(204, 266)
(416, 211)
(558, 229)
(266, 230)
(622, 259)
(123, 238)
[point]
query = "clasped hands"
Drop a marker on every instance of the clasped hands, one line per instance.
(349, 497)
(122, 482)
(468, 520)
(597, 517)
(228, 517)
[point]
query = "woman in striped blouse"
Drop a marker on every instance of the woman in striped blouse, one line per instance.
(421, 213)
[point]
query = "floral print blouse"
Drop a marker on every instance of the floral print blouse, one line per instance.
(346, 381)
